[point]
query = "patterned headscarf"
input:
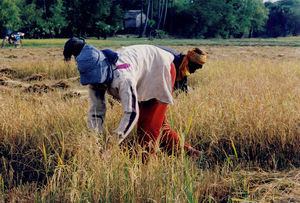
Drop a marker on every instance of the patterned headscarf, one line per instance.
(194, 57)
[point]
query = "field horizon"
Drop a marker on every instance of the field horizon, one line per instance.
(126, 40)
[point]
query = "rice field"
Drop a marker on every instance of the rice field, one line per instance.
(242, 112)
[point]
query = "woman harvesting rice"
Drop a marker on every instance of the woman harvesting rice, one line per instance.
(142, 77)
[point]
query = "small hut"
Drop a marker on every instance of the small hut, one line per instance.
(133, 20)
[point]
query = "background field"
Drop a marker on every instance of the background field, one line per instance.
(242, 112)
(125, 40)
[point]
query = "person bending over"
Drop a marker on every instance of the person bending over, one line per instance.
(142, 77)
(186, 65)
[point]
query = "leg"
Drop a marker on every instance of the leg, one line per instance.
(151, 119)
(171, 141)
(150, 123)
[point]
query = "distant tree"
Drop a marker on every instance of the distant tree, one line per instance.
(284, 18)
(219, 18)
(129, 4)
(141, 17)
(156, 16)
(250, 17)
(159, 13)
(171, 16)
(201, 18)
(149, 2)
(74, 17)
(32, 21)
(44, 26)
(103, 29)
(9, 16)
(258, 20)
(93, 17)
(41, 18)
(57, 19)
(165, 13)
(183, 18)
(116, 18)
(294, 18)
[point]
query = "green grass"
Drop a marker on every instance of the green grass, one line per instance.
(113, 42)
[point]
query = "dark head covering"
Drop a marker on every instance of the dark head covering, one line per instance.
(95, 66)
(73, 47)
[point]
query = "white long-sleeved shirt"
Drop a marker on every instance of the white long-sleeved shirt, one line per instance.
(147, 77)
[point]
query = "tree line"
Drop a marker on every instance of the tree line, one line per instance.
(180, 18)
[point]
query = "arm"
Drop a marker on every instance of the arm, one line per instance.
(96, 114)
(128, 96)
(182, 85)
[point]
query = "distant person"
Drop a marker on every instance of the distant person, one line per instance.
(13, 38)
(186, 65)
(142, 78)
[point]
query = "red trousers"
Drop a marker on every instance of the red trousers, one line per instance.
(152, 123)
